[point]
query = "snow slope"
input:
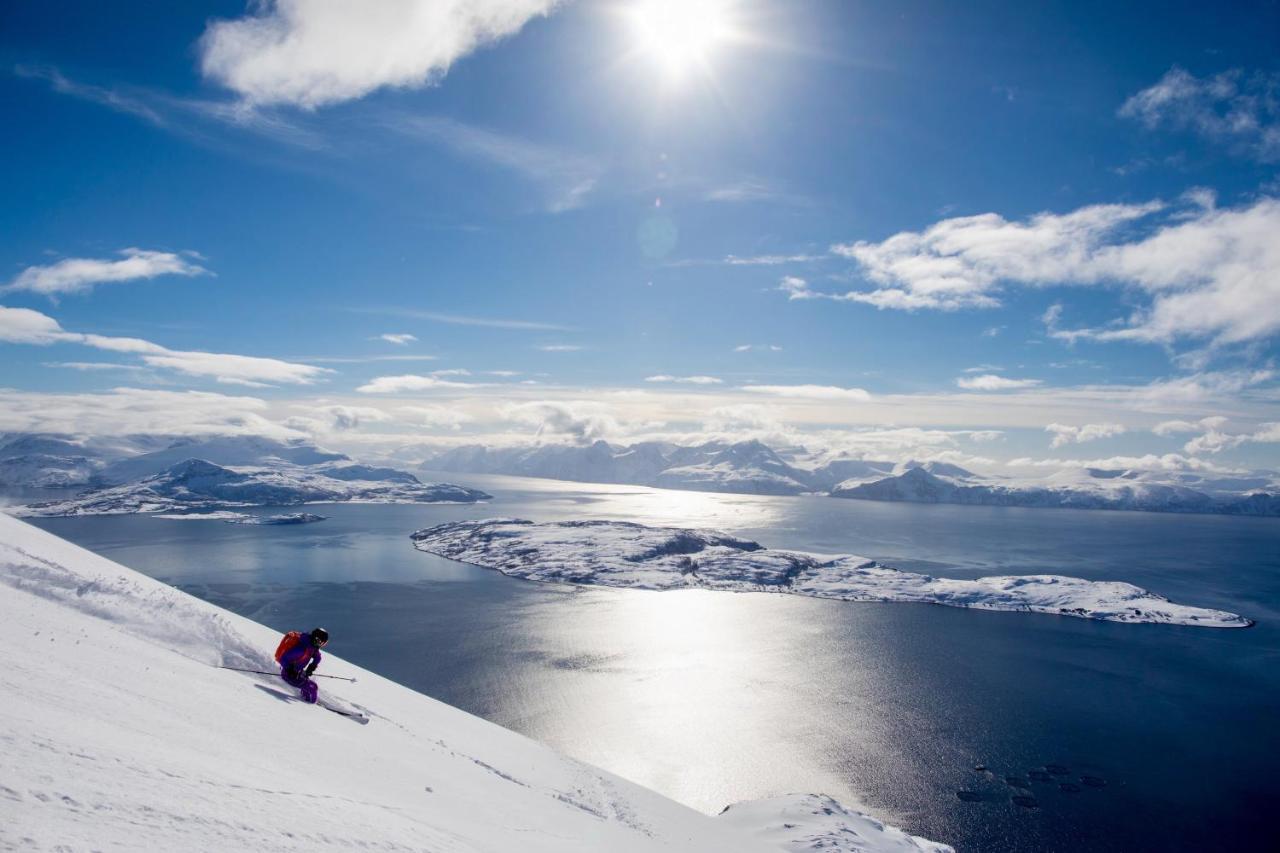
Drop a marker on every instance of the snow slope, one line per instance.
(118, 732)
(616, 553)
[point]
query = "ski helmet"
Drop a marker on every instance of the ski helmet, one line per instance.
(319, 636)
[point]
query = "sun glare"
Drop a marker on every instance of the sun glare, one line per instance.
(681, 34)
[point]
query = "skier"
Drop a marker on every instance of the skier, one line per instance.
(298, 655)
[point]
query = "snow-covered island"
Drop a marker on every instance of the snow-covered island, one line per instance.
(139, 741)
(623, 554)
(196, 485)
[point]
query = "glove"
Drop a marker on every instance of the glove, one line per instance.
(310, 670)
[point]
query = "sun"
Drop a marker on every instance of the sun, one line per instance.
(681, 35)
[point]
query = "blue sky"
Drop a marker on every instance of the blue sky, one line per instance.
(884, 228)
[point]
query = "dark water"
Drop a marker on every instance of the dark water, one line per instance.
(716, 697)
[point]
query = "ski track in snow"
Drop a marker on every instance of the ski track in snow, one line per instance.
(118, 732)
(623, 554)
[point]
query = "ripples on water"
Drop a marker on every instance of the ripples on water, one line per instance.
(716, 697)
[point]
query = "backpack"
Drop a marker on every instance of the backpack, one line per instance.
(288, 642)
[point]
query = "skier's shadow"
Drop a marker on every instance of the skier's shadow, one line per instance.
(283, 697)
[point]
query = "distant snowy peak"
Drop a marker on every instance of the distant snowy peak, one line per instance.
(623, 554)
(1071, 489)
(752, 467)
(254, 451)
(201, 485)
(46, 461)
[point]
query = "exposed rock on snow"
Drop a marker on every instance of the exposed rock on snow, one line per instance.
(140, 743)
(622, 554)
(197, 485)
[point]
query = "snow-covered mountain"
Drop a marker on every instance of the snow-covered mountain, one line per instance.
(1088, 488)
(239, 450)
(41, 461)
(121, 732)
(197, 485)
(747, 466)
(751, 467)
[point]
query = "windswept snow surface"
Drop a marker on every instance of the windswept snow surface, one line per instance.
(615, 553)
(816, 822)
(197, 484)
(119, 732)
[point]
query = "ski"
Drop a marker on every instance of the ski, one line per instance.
(351, 715)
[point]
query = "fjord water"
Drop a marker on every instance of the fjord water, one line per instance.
(717, 697)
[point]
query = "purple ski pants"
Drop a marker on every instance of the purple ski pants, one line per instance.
(299, 680)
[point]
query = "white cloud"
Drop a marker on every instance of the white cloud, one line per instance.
(231, 369)
(79, 275)
(1064, 434)
(93, 366)
(567, 178)
(24, 326)
(959, 263)
(410, 382)
(1213, 437)
(812, 392)
(1208, 273)
(1239, 109)
(437, 417)
(584, 421)
(133, 411)
(769, 260)
(176, 114)
(342, 418)
(984, 435)
(398, 338)
(991, 382)
(1174, 427)
(685, 380)
(310, 53)
(559, 348)
(757, 347)
(483, 322)
(1201, 387)
(796, 288)
(1148, 462)
(984, 368)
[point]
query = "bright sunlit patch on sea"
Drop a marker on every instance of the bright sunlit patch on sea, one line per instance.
(662, 696)
(559, 499)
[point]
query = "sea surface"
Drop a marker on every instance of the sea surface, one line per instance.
(1125, 737)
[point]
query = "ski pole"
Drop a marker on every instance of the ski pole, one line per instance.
(264, 672)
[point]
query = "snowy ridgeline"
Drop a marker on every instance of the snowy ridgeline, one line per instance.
(119, 732)
(195, 485)
(615, 553)
(751, 467)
